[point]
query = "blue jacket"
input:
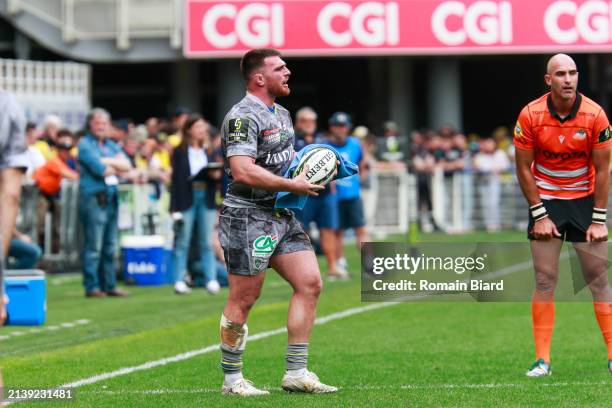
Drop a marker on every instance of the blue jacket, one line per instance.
(91, 179)
(289, 200)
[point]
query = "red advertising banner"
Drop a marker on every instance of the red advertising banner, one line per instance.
(400, 27)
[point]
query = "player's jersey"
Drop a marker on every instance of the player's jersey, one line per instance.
(562, 147)
(349, 187)
(252, 129)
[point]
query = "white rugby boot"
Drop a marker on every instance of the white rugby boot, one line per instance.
(539, 369)
(309, 383)
(243, 388)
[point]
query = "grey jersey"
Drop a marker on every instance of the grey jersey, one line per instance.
(250, 129)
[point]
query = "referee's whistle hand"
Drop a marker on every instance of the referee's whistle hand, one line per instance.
(597, 233)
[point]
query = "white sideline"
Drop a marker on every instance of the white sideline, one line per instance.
(214, 347)
(362, 387)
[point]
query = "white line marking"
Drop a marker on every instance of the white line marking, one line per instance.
(214, 347)
(359, 387)
(44, 329)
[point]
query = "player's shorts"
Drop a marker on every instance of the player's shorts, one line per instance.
(251, 236)
(13, 154)
(571, 217)
(351, 213)
(13, 147)
(322, 210)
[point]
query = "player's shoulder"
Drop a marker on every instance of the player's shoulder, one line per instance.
(281, 109)
(245, 108)
(589, 106)
(536, 105)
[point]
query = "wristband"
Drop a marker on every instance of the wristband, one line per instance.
(538, 212)
(599, 215)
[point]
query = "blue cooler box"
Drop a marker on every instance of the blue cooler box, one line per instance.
(27, 295)
(143, 258)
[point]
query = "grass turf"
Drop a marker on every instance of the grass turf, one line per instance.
(410, 354)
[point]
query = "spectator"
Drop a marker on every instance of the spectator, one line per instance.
(392, 147)
(35, 158)
(150, 163)
(489, 163)
(305, 127)
(152, 126)
(192, 200)
(101, 161)
(49, 176)
(321, 210)
(46, 143)
(23, 253)
(423, 163)
(178, 123)
(350, 205)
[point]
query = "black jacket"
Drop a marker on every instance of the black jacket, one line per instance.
(181, 189)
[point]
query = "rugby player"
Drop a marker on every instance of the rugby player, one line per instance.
(562, 144)
(13, 163)
(258, 139)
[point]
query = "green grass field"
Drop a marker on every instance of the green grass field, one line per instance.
(411, 354)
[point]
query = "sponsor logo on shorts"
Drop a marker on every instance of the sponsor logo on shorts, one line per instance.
(264, 245)
(259, 264)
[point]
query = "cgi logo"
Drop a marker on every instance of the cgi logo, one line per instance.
(255, 25)
(370, 24)
(482, 22)
(591, 22)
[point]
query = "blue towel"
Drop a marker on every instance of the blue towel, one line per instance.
(285, 199)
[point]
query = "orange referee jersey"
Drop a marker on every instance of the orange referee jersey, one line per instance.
(562, 164)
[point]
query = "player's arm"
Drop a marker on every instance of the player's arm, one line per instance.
(245, 171)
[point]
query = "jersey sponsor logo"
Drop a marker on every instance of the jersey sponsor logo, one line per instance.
(280, 157)
(564, 155)
(238, 130)
(604, 135)
(264, 245)
(271, 135)
(561, 138)
(579, 135)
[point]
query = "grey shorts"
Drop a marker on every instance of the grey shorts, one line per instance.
(13, 147)
(251, 236)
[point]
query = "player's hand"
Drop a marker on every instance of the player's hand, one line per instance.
(597, 233)
(545, 229)
(300, 186)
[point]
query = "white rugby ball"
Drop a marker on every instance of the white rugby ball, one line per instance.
(321, 163)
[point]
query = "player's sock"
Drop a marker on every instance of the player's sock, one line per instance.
(296, 359)
(233, 342)
(543, 316)
(603, 312)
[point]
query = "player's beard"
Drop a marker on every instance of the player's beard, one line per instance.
(279, 90)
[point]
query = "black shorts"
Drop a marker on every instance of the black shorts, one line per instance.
(571, 217)
(351, 213)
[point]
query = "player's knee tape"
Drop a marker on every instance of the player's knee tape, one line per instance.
(233, 335)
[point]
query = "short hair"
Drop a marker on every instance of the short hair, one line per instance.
(254, 59)
(53, 120)
(306, 110)
(65, 133)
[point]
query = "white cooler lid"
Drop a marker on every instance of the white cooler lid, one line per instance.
(142, 241)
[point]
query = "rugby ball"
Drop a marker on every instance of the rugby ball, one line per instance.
(321, 163)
